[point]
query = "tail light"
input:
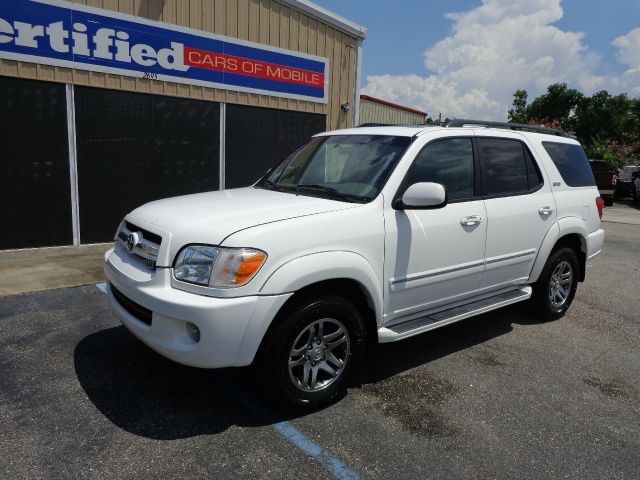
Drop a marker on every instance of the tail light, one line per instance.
(599, 206)
(614, 180)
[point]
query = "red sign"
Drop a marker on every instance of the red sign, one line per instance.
(251, 68)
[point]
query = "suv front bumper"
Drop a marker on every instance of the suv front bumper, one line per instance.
(231, 329)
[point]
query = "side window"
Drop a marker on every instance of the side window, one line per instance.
(504, 166)
(571, 162)
(449, 162)
(533, 173)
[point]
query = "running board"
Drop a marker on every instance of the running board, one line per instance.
(445, 317)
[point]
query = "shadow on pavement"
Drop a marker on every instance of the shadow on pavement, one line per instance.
(148, 395)
(392, 358)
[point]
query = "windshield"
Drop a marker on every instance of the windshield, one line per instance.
(342, 167)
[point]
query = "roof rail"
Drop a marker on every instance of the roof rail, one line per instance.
(460, 122)
(370, 124)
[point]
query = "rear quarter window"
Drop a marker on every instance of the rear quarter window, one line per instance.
(571, 162)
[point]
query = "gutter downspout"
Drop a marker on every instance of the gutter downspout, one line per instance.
(356, 100)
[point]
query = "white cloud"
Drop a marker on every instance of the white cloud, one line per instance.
(629, 54)
(495, 49)
(629, 48)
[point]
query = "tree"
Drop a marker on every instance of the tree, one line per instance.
(518, 114)
(608, 126)
(601, 151)
(558, 104)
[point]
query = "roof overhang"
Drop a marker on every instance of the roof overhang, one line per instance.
(328, 17)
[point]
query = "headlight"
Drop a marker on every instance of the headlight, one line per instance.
(218, 267)
(194, 264)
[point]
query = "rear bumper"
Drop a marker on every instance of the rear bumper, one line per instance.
(231, 329)
(607, 192)
(594, 243)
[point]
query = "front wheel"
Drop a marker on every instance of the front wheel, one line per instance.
(556, 287)
(307, 359)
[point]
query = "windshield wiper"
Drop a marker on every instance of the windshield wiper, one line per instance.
(332, 192)
(271, 185)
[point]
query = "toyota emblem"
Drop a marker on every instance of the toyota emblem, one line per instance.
(132, 240)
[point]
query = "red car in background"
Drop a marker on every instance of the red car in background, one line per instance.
(606, 180)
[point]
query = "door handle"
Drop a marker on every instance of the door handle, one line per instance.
(470, 220)
(545, 210)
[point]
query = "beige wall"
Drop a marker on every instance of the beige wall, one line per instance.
(372, 112)
(262, 21)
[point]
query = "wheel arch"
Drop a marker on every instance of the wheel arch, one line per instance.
(339, 267)
(344, 273)
(566, 232)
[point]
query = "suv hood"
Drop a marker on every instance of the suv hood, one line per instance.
(211, 217)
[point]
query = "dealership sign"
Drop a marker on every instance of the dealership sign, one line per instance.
(60, 33)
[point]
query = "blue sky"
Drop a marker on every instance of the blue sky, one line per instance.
(414, 53)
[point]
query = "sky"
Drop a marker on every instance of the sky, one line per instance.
(466, 58)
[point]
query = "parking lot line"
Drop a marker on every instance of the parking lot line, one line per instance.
(329, 462)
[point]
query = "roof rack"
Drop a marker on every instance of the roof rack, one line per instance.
(460, 122)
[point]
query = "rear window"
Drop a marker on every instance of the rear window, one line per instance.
(571, 162)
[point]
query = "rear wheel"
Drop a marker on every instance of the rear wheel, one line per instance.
(556, 287)
(608, 201)
(307, 359)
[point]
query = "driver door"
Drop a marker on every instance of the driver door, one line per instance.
(436, 256)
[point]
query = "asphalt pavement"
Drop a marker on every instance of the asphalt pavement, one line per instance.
(502, 395)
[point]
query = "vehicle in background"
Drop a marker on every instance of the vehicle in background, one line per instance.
(635, 187)
(606, 180)
(625, 180)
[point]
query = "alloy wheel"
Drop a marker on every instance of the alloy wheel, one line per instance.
(319, 355)
(560, 284)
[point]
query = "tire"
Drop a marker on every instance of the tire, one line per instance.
(608, 201)
(550, 299)
(298, 340)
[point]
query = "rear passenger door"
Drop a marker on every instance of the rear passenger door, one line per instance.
(520, 208)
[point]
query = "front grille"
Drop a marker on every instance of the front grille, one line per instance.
(138, 311)
(140, 242)
(152, 237)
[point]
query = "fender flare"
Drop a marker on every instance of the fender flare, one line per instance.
(303, 271)
(559, 229)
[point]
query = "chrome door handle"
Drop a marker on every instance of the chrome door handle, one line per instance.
(545, 210)
(470, 220)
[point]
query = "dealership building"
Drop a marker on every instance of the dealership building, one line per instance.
(108, 104)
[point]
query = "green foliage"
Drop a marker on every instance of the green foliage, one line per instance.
(519, 112)
(599, 150)
(558, 104)
(608, 126)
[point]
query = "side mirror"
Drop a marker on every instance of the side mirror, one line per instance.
(423, 195)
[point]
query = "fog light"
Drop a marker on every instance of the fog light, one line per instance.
(193, 331)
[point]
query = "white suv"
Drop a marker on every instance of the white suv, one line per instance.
(371, 234)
